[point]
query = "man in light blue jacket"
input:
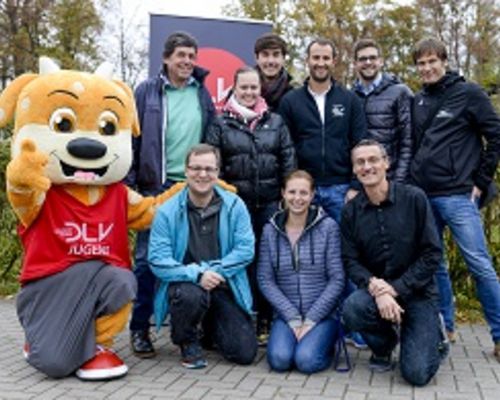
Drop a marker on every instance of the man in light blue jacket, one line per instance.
(201, 243)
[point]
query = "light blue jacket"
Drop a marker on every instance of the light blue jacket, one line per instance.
(169, 240)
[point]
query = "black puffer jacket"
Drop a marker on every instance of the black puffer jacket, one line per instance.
(254, 161)
(450, 156)
(388, 120)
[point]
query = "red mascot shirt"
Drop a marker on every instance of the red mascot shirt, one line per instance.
(67, 231)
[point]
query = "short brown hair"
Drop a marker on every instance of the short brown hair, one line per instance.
(203, 148)
(370, 142)
(270, 41)
(299, 173)
(322, 42)
(364, 44)
(430, 45)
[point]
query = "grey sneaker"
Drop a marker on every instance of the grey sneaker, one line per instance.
(192, 356)
(381, 363)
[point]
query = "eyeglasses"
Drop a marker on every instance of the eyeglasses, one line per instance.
(197, 169)
(364, 59)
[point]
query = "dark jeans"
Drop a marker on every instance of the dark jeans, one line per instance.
(260, 216)
(313, 353)
(420, 334)
(146, 281)
(221, 318)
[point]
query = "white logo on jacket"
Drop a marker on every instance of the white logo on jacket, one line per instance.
(338, 110)
(444, 114)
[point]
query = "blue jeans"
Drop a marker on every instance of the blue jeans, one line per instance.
(420, 337)
(331, 198)
(462, 216)
(146, 281)
(311, 354)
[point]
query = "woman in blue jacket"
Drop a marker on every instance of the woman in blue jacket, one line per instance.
(300, 273)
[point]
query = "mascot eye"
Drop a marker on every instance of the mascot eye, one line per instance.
(63, 120)
(108, 123)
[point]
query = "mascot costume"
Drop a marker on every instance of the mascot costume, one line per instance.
(71, 149)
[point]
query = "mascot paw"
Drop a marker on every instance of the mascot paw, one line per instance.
(26, 171)
(226, 186)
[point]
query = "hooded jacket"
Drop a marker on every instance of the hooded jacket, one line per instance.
(449, 157)
(324, 150)
(388, 118)
(147, 173)
(305, 281)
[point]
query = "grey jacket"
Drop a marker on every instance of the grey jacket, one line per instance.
(306, 281)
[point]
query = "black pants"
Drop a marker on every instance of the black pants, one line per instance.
(228, 325)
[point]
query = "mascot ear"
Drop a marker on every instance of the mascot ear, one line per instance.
(9, 97)
(136, 130)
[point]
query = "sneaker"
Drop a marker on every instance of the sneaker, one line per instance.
(496, 351)
(452, 336)
(192, 356)
(381, 363)
(26, 351)
(355, 339)
(105, 365)
(444, 343)
(140, 342)
(262, 339)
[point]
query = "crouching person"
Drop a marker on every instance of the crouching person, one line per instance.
(201, 243)
(391, 250)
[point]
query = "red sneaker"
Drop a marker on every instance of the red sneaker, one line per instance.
(105, 365)
(26, 351)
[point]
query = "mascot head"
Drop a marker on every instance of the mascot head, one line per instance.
(83, 122)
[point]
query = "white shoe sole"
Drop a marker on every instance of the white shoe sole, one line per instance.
(102, 374)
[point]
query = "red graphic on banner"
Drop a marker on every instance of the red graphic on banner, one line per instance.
(222, 64)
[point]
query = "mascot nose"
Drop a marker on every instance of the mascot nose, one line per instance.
(88, 149)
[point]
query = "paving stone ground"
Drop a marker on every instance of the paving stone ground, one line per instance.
(470, 373)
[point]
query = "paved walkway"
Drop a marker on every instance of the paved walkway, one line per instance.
(470, 373)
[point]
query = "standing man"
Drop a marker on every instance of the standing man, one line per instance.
(457, 145)
(270, 52)
(387, 104)
(175, 110)
(325, 121)
(391, 251)
(201, 243)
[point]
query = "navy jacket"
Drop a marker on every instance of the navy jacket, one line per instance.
(147, 173)
(306, 281)
(324, 150)
(450, 157)
(388, 118)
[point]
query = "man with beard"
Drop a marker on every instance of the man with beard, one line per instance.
(325, 121)
(270, 52)
(387, 105)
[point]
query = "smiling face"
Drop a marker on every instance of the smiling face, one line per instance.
(370, 165)
(270, 62)
(247, 88)
(83, 122)
(320, 62)
(431, 68)
(180, 65)
(368, 63)
(202, 173)
(298, 195)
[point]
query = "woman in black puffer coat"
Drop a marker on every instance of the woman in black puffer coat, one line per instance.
(257, 153)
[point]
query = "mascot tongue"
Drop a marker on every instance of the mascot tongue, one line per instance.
(84, 175)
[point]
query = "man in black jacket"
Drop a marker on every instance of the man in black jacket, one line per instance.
(325, 121)
(387, 105)
(457, 145)
(391, 251)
